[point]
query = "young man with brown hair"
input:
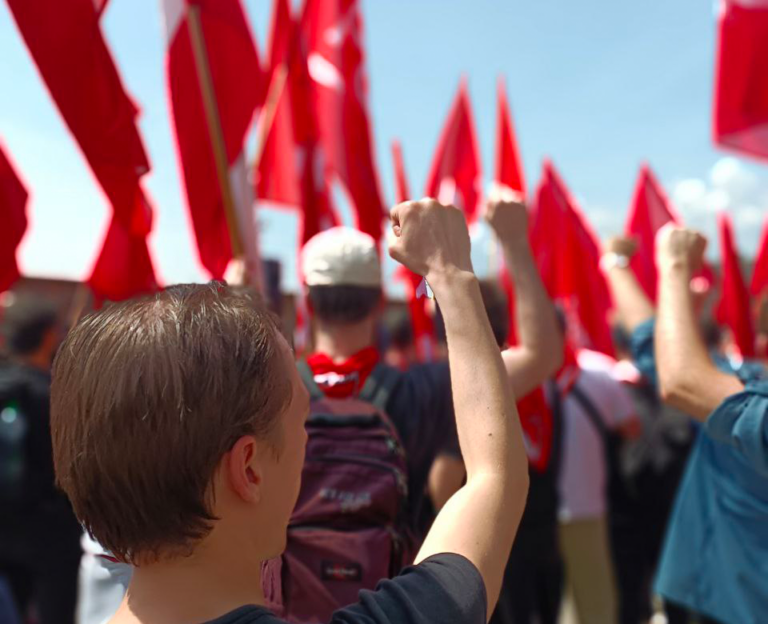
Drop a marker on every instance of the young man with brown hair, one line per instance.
(178, 428)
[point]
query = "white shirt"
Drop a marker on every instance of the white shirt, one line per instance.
(583, 471)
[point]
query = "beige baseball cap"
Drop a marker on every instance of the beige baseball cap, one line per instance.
(341, 256)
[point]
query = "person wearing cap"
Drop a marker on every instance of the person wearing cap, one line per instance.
(39, 535)
(341, 269)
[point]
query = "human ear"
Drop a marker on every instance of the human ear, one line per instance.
(244, 469)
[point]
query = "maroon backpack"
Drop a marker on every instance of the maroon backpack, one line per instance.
(349, 528)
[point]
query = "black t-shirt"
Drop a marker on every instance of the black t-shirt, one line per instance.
(443, 588)
(421, 408)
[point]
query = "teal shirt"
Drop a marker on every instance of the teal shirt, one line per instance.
(715, 557)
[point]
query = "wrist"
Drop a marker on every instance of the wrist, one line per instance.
(449, 279)
(679, 266)
(614, 260)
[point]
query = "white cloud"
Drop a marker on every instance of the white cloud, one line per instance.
(731, 186)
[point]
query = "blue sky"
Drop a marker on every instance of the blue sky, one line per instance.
(598, 85)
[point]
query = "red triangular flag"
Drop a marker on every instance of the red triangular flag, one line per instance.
(760, 275)
(65, 40)
(649, 211)
(421, 322)
(13, 216)
(455, 176)
(226, 47)
(741, 83)
(509, 173)
(280, 35)
(291, 168)
(124, 267)
(340, 90)
(733, 309)
(568, 254)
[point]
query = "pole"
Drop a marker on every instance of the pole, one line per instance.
(275, 92)
(215, 132)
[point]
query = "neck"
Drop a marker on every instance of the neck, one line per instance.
(188, 590)
(340, 342)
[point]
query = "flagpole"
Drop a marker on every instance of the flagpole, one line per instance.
(275, 92)
(215, 131)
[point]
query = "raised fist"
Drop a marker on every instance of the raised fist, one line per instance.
(621, 246)
(429, 238)
(680, 245)
(507, 214)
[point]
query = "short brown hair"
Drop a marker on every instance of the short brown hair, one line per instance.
(497, 308)
(147, 397)
(344, 305)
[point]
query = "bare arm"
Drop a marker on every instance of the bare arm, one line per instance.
(540, 352)
(632, 304)
(445, 479)
(479, 521)
(688, 379)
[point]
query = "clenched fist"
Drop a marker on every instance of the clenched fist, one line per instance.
(677, 245)
(429, 238)
(621, 246)
(507, 214)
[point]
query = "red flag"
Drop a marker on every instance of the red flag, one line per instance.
(124, 267)
(280, 35)
(509, 173)
(455, 175)
(733, 309)
(760, 275)
(649, 212)
(65, 41)
(421, 322)
(340, 90)
(13, 216)
(741, 91)
(214, 89)
(568, 254)
(291, 168)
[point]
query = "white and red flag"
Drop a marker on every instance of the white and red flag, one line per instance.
(421, 322)
(568, 254)
(13, 216)
(741, 80)
(455, 176)
(291, 168)
(733, 309)
(65, 40)
(336, 62)
(215, 85)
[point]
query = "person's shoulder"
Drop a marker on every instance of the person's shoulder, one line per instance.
(442, 588)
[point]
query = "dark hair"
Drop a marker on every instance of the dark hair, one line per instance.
(496, 307)
(343, 305)
(26, 322)
(147, 397)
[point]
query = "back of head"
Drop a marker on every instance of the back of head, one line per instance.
(147, 397)
(342, 271)
(26, 323)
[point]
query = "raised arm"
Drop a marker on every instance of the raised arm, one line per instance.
(480, 521)
(540, 352)
(688, 379)
(632, 304)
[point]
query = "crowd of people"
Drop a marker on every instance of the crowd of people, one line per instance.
(206, 473)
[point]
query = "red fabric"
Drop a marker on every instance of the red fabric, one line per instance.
(421, 322)
(280, 34)
(509, 173)
(339, 95)
(13, 216)
(760, 275)
(65, 41)
(124, 267)
(344, 379)
(568, 255)
(649, 211)
(733, 309)
(238, 86)
(536, 421)
(741, 82)
(455, 175)
(291, 170)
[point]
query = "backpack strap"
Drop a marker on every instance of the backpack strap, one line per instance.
(308, 377)
(379, 386)
(590, 409)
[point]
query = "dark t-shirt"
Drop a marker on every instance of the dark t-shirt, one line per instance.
(443, 588)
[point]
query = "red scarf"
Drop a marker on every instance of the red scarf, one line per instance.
(341, 380)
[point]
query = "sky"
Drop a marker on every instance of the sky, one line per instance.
(598, 86)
